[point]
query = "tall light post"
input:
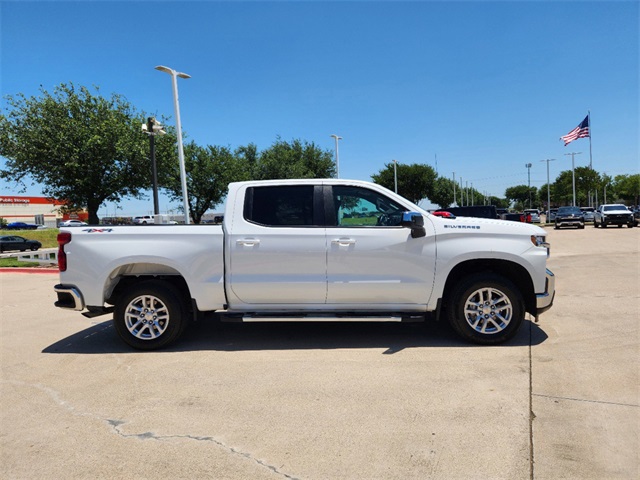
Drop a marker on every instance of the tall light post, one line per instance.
(548, 188)
(528, 165)
(395, 176)
(337, 156)
(176, 105)
(455, 203)
(573, 172)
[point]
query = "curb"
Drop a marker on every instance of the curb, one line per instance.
(28, 270)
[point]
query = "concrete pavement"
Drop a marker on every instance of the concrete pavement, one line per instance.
(327, 401)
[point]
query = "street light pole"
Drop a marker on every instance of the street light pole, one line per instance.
(183, 174)
(548, 188)
(573, 171)
(395, 176)
(528, 165)
(337, 156)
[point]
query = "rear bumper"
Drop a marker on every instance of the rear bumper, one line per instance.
(69, 297)
(544, 301)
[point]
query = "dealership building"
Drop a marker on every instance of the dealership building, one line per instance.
(39, 210)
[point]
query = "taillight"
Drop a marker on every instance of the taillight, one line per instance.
(63, 239)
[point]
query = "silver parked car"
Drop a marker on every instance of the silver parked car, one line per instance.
(589, 214)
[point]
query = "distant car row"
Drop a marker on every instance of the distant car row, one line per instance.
(605, 215)
(32, 226)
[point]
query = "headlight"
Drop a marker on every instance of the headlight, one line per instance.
(540, 241)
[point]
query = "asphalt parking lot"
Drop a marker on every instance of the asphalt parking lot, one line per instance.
(333, 401)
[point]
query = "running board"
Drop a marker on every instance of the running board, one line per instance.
(254, 318)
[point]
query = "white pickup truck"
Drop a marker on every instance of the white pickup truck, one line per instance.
(309, 250)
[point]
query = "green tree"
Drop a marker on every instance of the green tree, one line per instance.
(81, 147)
(587, 181)
(627, 188)
(415, 182)
(520, 195)
(209, 171)
(295, 159)
(442, 194)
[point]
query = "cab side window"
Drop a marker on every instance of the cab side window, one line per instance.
(280, 206)
(360, 207)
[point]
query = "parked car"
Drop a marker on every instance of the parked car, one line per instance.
(144, 220)
(443, 214)
(613, 214)
(73, 223)
(533, 214)
(569, 217)
(552, 215)
(21, 226)
(636, 216)
(589, 213)
(13, 242)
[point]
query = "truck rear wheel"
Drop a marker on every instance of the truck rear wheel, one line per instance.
(149, 316)
(485, 309)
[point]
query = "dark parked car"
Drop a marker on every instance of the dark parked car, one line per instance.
(569, 217)
(13, 242)
(21, 226)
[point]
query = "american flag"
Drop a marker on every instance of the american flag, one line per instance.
(581, 131)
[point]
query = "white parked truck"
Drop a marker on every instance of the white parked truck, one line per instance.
(309, 250)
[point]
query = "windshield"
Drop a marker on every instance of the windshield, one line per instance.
(614, 207)
(567, 210)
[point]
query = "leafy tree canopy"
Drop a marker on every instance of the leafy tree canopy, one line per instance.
(209, 171)
(81, 147)
(295, 159)
(415, 182)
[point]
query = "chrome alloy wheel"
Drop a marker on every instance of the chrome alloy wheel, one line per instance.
(146, 317)
(488, 310)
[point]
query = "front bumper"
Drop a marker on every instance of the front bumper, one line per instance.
(544, 301)
(618, 220)
(564, 222)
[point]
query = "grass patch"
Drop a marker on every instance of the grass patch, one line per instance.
(48, 237)
(13, 262)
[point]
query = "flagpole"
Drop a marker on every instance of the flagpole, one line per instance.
(590, 157)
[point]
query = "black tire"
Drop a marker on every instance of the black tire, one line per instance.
(581, 226)
(34, 248)
(499, 302)
(151, 315)
(595, 224)
(556, 227)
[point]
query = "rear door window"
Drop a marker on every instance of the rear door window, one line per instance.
(281, 206)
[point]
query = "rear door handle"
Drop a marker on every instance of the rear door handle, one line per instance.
(343, 241)
(248, 242)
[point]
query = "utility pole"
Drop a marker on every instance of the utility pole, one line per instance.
(153, 128)
(573, 172)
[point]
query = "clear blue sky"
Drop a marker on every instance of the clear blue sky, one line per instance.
(485, 86)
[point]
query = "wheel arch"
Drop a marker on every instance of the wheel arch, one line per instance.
(124, 277)
(515, 273)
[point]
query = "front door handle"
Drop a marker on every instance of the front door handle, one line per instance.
(248, 242)
(344, 242)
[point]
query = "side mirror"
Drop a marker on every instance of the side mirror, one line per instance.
(414, 221)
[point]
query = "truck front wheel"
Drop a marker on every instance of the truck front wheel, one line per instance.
(150, 315)
(485, 309)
